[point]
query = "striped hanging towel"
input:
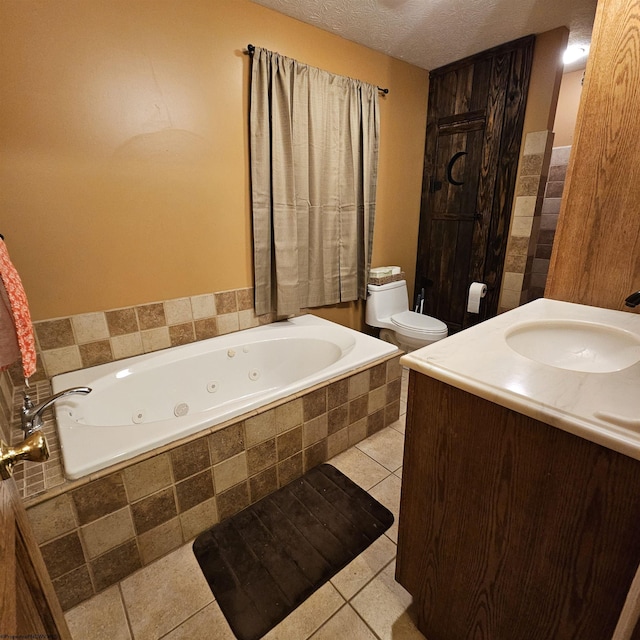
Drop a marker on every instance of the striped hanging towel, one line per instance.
(21, 316)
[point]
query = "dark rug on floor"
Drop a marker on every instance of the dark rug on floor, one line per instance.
(266, 560)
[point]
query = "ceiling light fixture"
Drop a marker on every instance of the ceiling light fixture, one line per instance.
(574, 53)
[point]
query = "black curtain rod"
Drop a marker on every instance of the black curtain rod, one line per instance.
(251, 49)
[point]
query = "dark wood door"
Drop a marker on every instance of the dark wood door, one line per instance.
(29, 607)
(474, 129)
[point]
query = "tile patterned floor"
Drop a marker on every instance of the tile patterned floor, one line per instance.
(170, 599)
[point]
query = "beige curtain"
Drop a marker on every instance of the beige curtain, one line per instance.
(314, 159)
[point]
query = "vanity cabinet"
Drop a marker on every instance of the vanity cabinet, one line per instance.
(511, 529)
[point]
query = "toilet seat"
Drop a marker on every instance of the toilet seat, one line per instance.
(419, 323)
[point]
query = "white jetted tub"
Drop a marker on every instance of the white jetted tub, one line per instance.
(144, 402)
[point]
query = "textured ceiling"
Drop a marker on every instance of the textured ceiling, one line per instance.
(432, 33)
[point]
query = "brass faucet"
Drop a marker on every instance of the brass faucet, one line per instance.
(31, 415)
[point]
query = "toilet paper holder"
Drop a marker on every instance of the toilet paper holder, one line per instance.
(477, 291)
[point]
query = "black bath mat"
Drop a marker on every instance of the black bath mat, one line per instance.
(266, 560)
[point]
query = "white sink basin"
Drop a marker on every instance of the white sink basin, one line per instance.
(575, 345)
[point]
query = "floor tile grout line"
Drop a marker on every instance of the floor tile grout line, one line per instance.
(126, 611)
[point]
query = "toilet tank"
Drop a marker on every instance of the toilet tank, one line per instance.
(386, 299)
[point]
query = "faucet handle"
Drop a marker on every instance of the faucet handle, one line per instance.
(27, 403)
(633, 300)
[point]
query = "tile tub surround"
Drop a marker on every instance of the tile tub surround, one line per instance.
(94, 532)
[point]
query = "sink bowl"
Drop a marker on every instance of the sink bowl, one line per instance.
(575, 345)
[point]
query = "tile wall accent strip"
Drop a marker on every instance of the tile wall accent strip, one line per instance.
(526, 222)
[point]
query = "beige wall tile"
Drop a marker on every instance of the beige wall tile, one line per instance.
(230, 472)
(228, 323)
(178, 311)
(525, 206)
(535, 142)
(147, 477)
(155, 339)
(90, 327)
(377, 399)
(288, 415)
(198, 519)
(337, 442)
(248, 319)
(127, 345)
(394, 370)
(107, 533)
(52, 518)
(357, 431)
(521, 226)
(61, 360)
(512, 280)
(260, 428)
(203, 306)
(358, 384)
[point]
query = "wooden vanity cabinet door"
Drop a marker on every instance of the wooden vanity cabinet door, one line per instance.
(511, 529)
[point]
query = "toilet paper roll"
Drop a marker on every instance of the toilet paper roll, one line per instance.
(477, 291)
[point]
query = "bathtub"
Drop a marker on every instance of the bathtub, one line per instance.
(141, 403)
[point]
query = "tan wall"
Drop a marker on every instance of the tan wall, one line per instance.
(567, 112)
(546, 77)
(123, 130)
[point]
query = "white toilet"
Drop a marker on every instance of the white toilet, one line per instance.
(388, 308)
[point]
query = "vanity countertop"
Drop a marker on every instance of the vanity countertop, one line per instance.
(601, 406)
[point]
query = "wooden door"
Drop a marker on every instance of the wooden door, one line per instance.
(474, 129)
(29, 607)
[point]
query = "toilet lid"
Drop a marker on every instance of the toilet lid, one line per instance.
(418, 322)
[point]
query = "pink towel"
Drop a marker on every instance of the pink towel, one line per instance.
(19, 309)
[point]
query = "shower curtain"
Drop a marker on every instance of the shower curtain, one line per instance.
(314, 158)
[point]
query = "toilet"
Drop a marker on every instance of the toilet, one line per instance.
(388, 309)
